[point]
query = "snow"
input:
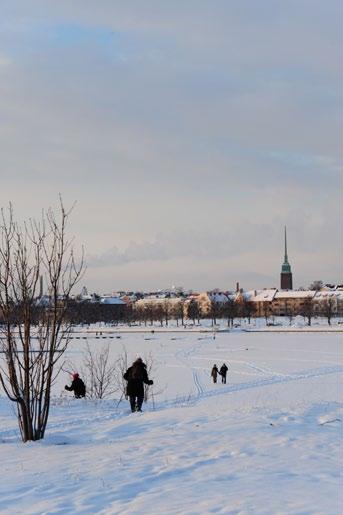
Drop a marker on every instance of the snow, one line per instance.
(295, 294)
(269, 441)
(264, 295)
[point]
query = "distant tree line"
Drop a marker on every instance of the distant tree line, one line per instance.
(181, 311)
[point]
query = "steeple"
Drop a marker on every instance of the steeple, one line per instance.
(286, 272)
(286, 267)
(286, 257)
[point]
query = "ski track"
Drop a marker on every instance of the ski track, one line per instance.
(270, 377)
(274, 380)
(264, 370)
(197, 383)
(186, 359)
(200, 395)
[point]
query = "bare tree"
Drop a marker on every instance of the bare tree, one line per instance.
(99, 373)
(158, 312)
(32, 345)
(150, 367)
(140, 313)
(247, 309)
(193, 310)
(267, 310)
(214, 311)
(316, 285)
(150, 390)
(179, 311)
(307, 309)
(121, 368)
(230, 310)
(290, 312)
(150, 312)
(166, 311)
(328, 308)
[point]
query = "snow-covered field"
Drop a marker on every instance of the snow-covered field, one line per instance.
(267, 442)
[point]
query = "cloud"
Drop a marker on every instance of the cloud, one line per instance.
(226, 242)
(187, 131)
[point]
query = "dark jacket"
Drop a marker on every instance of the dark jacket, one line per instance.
(136, 376)
(214, 372)
(223, 370)
(78, 387)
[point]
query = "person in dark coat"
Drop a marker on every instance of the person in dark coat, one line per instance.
(136, 376)
(223, 371)
(214, 373)
(77, 386)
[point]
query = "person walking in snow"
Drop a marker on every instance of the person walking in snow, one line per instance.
(223, 371)
(136, 376)
(214, 373)
(77, 386)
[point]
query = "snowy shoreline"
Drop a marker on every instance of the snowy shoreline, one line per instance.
(103, 331)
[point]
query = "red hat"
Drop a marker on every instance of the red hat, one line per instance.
(75, 375)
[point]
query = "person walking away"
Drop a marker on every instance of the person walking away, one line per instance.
(223, 371)
(214, 373)
(77, 386)
(136, 376)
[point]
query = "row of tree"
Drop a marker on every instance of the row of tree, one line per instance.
(183, 310)
(86, 313)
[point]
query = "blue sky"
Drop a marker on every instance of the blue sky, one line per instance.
(189, 133)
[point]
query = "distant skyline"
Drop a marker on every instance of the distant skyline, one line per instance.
(188, 132)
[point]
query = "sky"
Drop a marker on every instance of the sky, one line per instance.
(187, 132)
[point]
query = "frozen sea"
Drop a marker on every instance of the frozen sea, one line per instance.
(267, 442)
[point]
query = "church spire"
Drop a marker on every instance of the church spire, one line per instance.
(286, 272)
(286, 256)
